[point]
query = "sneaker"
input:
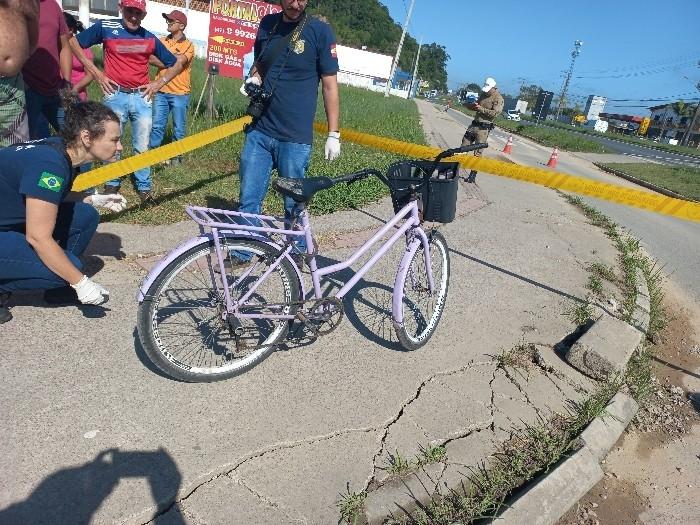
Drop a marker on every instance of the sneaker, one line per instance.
(64, 295)
(146, 197)
(5, 314)
(110, 190)
(471, 178)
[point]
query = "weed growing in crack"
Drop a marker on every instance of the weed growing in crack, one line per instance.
(638, 374)
(595, 285)
(602, 271)
(658, 318)
(521, 355)
(531, 451)
(579, 313)
(351, 506)
(430, 454)
(398, 465)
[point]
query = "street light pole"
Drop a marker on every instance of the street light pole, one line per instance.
(576, 52)
(395, 63)
(689, 130)
(414, 79)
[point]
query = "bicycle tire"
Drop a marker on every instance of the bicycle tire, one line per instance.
(220, 361)
(421, 309)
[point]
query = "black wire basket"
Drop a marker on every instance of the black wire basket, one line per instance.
(437, 189)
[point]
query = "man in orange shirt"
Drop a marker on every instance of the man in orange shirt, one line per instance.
(175, 95)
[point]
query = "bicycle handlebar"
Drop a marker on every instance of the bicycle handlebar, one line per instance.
(367, 172)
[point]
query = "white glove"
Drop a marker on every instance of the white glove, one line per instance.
(89, 292)
(333, 145)
(250, 80)
(112, 202)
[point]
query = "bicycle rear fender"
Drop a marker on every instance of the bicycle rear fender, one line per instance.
(397, 296)
(202, 239)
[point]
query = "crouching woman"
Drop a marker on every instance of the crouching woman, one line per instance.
(43, 228)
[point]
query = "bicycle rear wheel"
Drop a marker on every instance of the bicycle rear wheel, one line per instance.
(182, 322)
(421, 309)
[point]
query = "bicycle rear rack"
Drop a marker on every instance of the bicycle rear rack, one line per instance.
(229, 220)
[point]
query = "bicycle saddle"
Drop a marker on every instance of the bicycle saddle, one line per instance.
(301, 190)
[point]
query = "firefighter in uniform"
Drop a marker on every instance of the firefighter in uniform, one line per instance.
(487, 107)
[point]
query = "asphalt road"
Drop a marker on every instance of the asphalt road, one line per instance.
(673, 242)
(632, 150)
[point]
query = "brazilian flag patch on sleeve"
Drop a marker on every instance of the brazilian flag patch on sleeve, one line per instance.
(51, 182)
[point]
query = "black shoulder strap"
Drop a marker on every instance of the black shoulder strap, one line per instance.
(268, 57)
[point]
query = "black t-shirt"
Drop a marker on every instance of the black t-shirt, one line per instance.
(292, 109)
(39, 169)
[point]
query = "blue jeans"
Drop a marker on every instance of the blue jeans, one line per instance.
(136, 109)
(163, 105)
(42, 111)
(261, 154)
(20, 266)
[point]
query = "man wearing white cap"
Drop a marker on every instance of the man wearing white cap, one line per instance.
(487, 107)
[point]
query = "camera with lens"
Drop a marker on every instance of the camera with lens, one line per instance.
(259, 99)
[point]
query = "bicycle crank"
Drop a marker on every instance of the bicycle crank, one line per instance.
(323, 317)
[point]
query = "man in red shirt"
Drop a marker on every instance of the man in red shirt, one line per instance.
(125, 82)
(47, 71)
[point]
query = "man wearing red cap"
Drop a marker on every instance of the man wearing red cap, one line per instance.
(174, 96)
(125, 82)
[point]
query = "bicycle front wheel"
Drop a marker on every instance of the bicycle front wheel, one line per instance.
(421, 309)
(183, 324)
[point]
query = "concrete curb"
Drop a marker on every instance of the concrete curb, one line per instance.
(607, 346)
(609, 342)
(641, 182)
(553, 495)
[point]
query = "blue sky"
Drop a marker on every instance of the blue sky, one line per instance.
(632, 49)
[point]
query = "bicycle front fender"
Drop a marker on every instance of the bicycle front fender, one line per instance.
(401, 273)
(205, 239)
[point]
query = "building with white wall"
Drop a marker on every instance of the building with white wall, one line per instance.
(594, 107)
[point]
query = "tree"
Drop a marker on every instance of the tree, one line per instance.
(529, 94)
(368, 23)
(474, 88)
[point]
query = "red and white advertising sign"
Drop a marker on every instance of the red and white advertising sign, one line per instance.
(233, 25)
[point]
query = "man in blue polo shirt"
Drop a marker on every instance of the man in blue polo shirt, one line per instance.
(281, 137)
(125, 81)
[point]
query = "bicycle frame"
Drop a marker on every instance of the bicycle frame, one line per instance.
(223, 224)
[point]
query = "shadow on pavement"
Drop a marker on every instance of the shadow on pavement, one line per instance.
(145, 361)
(73, 495)
(517, 276)
(105, 244)
(676, 367)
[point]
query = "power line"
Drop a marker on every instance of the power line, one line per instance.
(664, 62)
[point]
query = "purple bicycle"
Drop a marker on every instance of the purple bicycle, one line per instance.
(219, 303)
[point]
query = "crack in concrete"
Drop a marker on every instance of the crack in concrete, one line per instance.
(273, 448)
(267, 501)
(405, 405)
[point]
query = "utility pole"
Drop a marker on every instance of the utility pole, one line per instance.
(395, 63)
(414, 79)
(562, 96)
(689, 130)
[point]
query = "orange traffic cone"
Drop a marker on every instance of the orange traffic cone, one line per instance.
(553, 159)
(509, 145)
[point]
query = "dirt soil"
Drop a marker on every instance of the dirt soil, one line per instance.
(652, 475)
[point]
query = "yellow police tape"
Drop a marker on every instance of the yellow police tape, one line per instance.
(148, 158)
(628, 196)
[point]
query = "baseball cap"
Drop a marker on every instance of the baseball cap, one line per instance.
(138, 4)
(489, 83)
(177, 15)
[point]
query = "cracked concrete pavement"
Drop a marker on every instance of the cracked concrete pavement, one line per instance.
(92, 433)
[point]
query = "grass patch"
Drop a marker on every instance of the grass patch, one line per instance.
(552, 137)
(351, 505)
(431, 454)
(209, 175)
(579, 313)
(520, 356)
(638, 141)
(683, 180)
(398, 465)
